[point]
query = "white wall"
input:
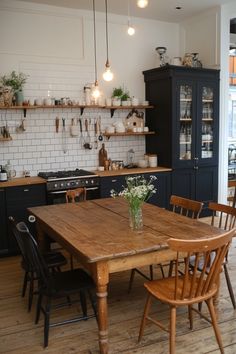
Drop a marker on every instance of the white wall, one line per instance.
(54, 46)
(201, 34)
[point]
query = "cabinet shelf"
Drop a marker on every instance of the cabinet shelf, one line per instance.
(207, 101)
(185, 119)
(207, 119)
(108, 135)
(185, 142)
(81, 107)
(186, 100)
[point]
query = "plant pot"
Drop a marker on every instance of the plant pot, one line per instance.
(19, 98)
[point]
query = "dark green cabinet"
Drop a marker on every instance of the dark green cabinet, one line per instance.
(3, 226)
(18, 199)
(186, 120)
(162, 184)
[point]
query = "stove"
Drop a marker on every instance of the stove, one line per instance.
(60, 181)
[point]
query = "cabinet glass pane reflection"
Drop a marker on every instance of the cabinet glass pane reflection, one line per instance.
(207, 122)
(185, 122)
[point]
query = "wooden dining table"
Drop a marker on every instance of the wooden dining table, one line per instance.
(97, 232)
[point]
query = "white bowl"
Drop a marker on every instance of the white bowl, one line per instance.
(110, 129)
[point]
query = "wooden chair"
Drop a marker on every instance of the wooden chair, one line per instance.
(232, 199)
(183, 206)
(187, 207)
(54, 261)
(73, 195)
(224, 217)
(192, 287)
(56, 285)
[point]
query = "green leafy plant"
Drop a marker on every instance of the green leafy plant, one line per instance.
(14, 80)
(121, 93)
(117, 92)
(125, 96)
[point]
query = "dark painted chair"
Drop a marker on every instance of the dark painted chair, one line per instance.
(56, 285)
(54, 261)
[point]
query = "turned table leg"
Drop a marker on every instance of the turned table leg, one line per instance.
(101, 278)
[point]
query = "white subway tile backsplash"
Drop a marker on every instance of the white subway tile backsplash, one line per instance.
(40, 148)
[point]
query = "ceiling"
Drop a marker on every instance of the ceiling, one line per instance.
(157, 9)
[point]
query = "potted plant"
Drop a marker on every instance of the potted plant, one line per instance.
(119, 95)
(116, 96)
(125, 99)
(15, 82)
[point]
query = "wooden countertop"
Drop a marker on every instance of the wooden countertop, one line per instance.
(22, 181)
(130, 171)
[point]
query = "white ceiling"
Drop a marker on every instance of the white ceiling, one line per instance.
(157, 9)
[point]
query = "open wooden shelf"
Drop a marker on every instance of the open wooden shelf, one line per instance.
(5, 139)
(81, 107)
(127, 134)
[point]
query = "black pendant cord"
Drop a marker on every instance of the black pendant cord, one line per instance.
(106, 30)
(95, 43)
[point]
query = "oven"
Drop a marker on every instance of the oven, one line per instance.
(58, 183)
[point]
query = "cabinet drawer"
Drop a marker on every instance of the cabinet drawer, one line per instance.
(26, 195)
(109, 183)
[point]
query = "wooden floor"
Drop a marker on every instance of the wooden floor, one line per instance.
(19, 334)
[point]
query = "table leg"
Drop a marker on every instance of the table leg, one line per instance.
(42, 239)
(101, 277)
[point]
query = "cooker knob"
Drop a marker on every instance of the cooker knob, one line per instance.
(92, 181)
(55, 185)
(86, 182)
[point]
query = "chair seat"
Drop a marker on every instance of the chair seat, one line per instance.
(164, 290)
(68, 282)
(52, 259)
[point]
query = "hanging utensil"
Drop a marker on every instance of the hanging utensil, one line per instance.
(100, 137)
(96, 134)
(57, 122)
(87, 144)
(64, 145)
(81, 133)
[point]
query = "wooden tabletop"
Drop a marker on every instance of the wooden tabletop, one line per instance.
(99, 230)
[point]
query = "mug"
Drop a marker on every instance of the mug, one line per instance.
(12, 174)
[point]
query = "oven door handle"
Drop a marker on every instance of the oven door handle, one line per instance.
(64, 191)
(92, 188)
(57, 192)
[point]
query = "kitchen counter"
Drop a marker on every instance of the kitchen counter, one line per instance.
(130, 171)
(22, 181)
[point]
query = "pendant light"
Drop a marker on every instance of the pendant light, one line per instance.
(131, 29)
(95, 92)
(108, 74)
(142, 3)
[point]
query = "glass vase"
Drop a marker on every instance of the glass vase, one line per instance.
(136, 218)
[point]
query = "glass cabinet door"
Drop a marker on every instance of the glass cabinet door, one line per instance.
(185, 122)
(207, 122)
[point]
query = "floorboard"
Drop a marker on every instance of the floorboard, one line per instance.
(19, 334)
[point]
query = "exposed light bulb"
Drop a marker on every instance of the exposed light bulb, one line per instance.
(130, 30)
(142, 3)
(108, 74)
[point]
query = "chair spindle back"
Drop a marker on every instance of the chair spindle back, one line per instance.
(186, 207)
(190, 283)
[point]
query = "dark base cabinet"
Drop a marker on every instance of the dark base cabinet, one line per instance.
(3, 227)
(162, 184)
(18, 199)
(198, 185)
